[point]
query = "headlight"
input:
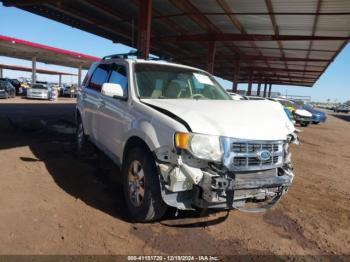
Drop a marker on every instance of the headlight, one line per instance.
(201, 146)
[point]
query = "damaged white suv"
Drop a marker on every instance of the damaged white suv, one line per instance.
(180, 138)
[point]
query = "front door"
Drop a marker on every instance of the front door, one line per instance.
(112, 117)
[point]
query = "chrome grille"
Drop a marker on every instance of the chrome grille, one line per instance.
(247, 155)
(249, 147)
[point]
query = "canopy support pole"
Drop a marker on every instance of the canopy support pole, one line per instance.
(236, 76)
(265, 89)
(79, 76)
(33, 70)
(270, 87)
(145, 20)
(211, 57)
(250, 84)
(259, 87)
(1, 72)
(59, 80)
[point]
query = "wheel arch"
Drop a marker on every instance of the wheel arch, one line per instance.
(134, 141)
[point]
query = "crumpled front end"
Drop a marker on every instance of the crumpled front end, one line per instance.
(250, 171)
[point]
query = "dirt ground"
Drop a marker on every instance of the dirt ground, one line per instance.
(56, 202)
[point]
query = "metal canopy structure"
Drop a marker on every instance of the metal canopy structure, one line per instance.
(38, 70)
(18, 48)
(263, 41)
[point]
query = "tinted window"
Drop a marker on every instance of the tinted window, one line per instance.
(89, 73)
(99, 77)
(118, 76)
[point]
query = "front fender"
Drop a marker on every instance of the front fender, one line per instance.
(145, 131)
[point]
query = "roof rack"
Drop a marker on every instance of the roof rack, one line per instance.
(124, 55)
(134, 54)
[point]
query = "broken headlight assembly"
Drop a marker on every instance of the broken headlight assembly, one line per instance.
(201, 146)
(293, 138)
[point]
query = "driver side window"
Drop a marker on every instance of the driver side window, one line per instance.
(99, 77)
(119, 76)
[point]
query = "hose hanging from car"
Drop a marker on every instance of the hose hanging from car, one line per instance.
(265, 207)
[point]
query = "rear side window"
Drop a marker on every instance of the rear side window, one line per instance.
(99, 77)
(89, 73)
(118, 76)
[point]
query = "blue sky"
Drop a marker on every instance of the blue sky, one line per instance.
(334, 84)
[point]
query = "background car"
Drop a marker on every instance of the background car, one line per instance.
(290, 115)
(7, 90)
(255, 98)
(341, 109)
(16, 84)
(236, 96)
(301, 116)
(39, 91)
(317, 115)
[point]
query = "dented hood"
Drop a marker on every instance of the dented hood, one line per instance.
(256, 120)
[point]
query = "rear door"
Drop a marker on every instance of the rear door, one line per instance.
(113, 120)
(90, 96)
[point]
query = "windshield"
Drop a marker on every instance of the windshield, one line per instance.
(39, 87)
(308, 106)
(169, 82)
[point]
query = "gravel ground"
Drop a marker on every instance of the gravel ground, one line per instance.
(56, 202)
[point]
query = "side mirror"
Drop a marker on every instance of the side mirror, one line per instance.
(112, 90)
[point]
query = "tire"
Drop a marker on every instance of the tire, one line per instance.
(304, 124)
(315, 123)
(81, 138)
(141, 186)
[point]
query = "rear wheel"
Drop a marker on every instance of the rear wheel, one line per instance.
(81, 138)
(315, 122)
(141, 186)
(304, 124)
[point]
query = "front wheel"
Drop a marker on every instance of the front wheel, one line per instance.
(141, 186)
(315, 122)
(304, 124)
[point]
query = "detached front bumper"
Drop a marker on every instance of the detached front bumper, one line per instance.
(235, 192)
(222, 190)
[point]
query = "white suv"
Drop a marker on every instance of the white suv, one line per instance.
(180, 138)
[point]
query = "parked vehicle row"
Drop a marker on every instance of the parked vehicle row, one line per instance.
(341, 109)
(40, 90)
(303, 114)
